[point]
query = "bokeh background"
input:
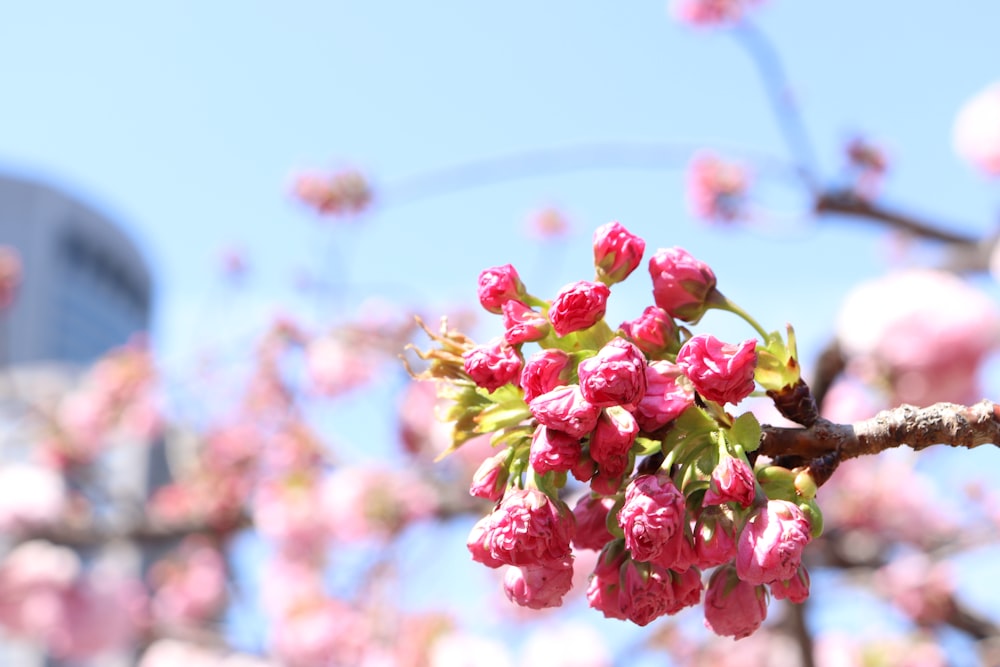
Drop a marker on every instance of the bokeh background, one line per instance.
(188, 121)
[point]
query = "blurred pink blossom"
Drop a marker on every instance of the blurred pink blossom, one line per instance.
(717, 188)
(547, 224)
(339, 194)
(190, 585)
(976, 133)
(334, 367)
(926, 332)
(372, 501)
(710, 12)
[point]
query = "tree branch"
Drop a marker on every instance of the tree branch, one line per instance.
(847, 203)
(940, 424)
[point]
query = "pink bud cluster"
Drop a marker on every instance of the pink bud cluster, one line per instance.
(598, 406)
(717, 188)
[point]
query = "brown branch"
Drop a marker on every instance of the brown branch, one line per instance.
(847, 203)
(940, 424)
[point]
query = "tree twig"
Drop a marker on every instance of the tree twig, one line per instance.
(845, 202)
(940, 424)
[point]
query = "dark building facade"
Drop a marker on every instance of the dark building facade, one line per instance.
(85, 286)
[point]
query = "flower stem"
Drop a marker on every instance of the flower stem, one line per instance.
(720, 301)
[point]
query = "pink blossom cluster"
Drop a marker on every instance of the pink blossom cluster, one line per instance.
(599, 406)
(921, 333)
(976, 134)
(47, 596)
(716, 187)
(341, 193)
(116, 401)
(711, 12)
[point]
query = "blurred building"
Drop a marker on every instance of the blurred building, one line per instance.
(85, 287)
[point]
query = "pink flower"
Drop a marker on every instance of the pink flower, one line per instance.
(795, 589)
(681, 283)
(647, 592)
(478, 546)
(529, 528)
(375, 501)
(719, 371)
(544, 371)
(498, 285)
(717, 188)
(976, 134)
(770, 545)
(539, 586)
(612, 439)
(565, 409)
(592, 522)
(492, 365)
(615, 376)
(617, 252)
(687, 589)
(313, 631)
(553, 450)
(653, 332)
(335, 367)
(733, 607)
(714, 538)
(547, 224)
(653, 516)
(490, 480)
(668, 394)
(338, 194)
(522, 324)
(578, 306)
(604, 589)
(923, 333)
(190, 586)
(732, 481)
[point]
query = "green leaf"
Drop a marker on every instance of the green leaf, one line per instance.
(746, 432)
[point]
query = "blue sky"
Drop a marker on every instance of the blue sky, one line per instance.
(185, 120)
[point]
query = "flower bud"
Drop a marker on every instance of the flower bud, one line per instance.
(615, 376)
(565, 409)
(493, 364)
(652, 517)
(529, 528)
(553, 451)
(770, 545)
(681, 284)
(732, 481)
(720, 372)
(592, 522)
(794, 589)
(617, 252)
(498, 285)
(522, 324)
(490, 480)
(539, 586)
(653, 332)
(733, 607)
(668, 394)
(544, 371)
(578, 306)
(612, 439)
